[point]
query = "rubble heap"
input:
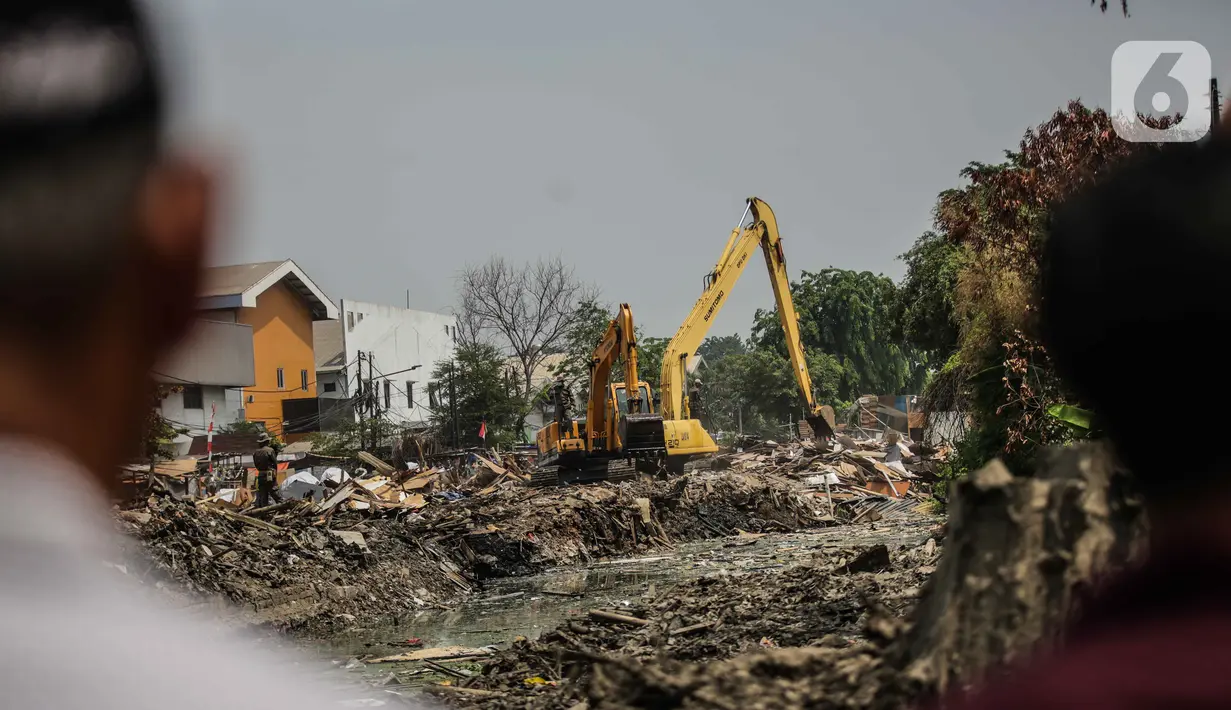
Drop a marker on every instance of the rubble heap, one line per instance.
(845, 604)
(859, 480)
(281, 567)
(368, 552)
(1018, 553)
(516, 531)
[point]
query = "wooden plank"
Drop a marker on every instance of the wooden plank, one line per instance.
(251, 522)
(433, 654)
(376, 464)
(338, 496)
(600, 615)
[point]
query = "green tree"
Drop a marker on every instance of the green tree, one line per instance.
(158, 431)
(353, 436)
(759, 388)
(650, 352)
(244, 426)
(716, 347)
(1000, 374)
(485, 391)
(848, 315)
(924, 316)
(589, 325)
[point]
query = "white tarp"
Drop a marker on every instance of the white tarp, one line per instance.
(335, 474)
(302, 484)
(301, 477)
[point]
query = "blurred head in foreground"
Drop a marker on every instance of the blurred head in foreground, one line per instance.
(1133, 310)
(102, 232)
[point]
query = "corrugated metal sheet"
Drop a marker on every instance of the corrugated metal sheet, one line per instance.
(890, 508)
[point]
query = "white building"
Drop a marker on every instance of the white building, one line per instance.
(394, 347)
(209, 370)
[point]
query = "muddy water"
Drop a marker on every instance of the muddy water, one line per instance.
(529, 606)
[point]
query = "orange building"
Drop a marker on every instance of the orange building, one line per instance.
(280, 302)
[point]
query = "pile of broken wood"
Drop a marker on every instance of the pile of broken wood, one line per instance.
(865, 479)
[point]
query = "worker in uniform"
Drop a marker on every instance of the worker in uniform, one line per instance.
(265, 460)
(694, 400)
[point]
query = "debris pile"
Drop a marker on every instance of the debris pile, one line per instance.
(1002, 552)
(512, 530)
(846, 604)
(864, 480)
(290, 566)
(378, 547)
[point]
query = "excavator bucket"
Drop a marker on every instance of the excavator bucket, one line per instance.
(642, 433)
(820, 427)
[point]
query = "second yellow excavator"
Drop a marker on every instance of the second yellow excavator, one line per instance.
(620, 426)
(684, 436)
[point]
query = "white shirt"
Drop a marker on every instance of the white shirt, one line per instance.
(76, 632)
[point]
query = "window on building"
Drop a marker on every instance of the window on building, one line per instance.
(388, 390)
(281, 380)
(303, 379)
(410, 393)
(432, 400)
(350, 321)
(330, 386)
(193, 397)
(360, 317)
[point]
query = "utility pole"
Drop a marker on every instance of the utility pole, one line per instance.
(453, 403)
(372, 403)
(361, 406)
(1215, 103)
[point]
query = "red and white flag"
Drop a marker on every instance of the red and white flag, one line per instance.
(483, 430)
(209, 436)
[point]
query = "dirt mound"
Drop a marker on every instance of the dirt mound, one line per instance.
(839, 611)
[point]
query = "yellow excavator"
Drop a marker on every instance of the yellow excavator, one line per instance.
(620, 427)
(684, 436)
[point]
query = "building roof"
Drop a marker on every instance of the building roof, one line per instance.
(542, 374)
(239, 285)
(327, 344)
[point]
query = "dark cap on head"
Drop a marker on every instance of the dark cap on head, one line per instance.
(73, 70)
(1133, 307)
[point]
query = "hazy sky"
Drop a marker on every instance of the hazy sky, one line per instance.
(384, 144)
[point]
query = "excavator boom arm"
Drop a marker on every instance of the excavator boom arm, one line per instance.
(763, 233)
(617, 342)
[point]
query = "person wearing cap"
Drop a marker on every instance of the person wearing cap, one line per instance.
(265, 461)
(104, 229)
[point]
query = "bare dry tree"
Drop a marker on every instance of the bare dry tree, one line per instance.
(469, 324)
(527, 309)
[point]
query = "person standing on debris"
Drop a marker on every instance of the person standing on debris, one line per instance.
(265, 461)
(1159, 635)
(104, 230)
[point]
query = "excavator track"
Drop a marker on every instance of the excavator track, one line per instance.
(611, 471)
